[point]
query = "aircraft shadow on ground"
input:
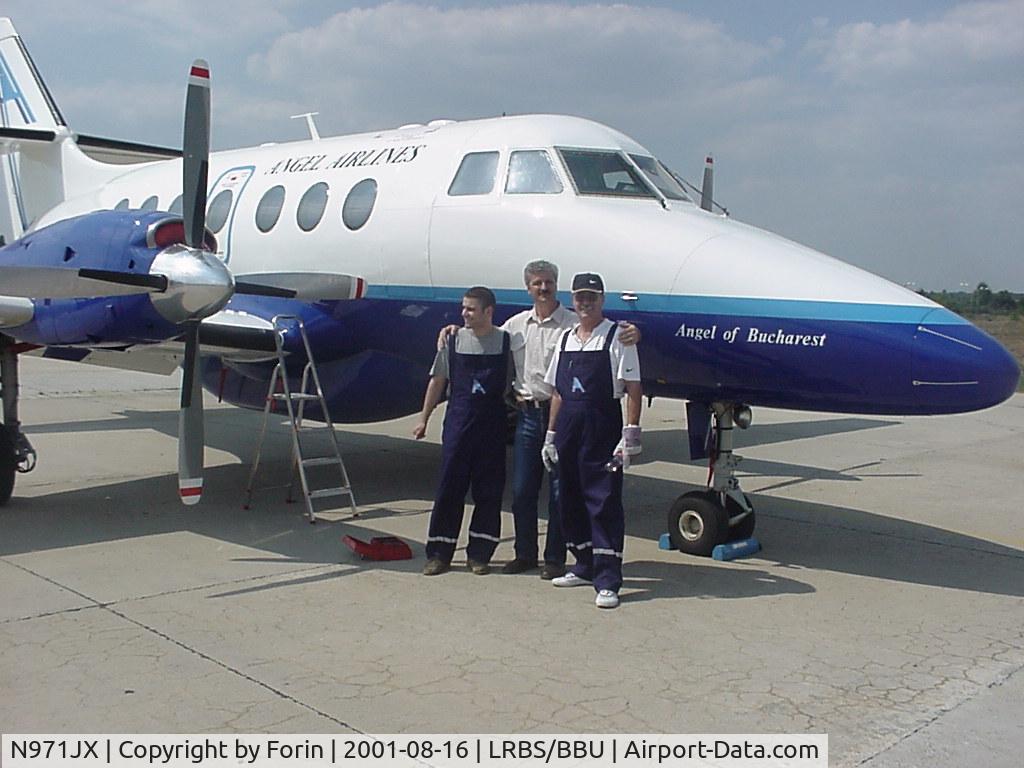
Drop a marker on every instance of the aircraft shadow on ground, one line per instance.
(802, 535)
(694, 577)
(395, 476)
(673, 445)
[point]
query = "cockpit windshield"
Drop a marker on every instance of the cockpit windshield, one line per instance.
(660, 177)
(597, 172)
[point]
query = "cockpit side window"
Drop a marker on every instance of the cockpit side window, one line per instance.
(475, 175)
(660, 177)
(530, 172)
(597, 172)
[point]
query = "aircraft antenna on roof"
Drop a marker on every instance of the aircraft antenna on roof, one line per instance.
(313, 133)
(704, 194)
(707, 187)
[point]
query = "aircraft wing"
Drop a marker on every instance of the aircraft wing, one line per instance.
(230, 335)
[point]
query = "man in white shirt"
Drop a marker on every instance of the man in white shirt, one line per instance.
(591, 370)
(534, 333)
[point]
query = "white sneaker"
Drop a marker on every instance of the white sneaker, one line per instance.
(570, 580)
(606, 599)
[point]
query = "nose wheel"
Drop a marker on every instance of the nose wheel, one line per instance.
(698, 522)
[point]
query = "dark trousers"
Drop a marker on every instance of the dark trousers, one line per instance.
(593, 518)
(527, 478)
(468, 464)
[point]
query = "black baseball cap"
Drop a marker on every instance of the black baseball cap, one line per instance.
(587, 281)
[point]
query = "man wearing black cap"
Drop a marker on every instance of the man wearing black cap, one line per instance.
(590, 371)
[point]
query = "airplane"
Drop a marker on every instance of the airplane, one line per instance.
(371, 239)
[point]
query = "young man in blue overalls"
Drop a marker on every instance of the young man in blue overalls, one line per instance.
(590, 371)
(477, 364)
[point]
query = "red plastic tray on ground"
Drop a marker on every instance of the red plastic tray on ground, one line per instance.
(379, 548)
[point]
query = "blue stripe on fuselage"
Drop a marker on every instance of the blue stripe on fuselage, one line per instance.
(720, 306)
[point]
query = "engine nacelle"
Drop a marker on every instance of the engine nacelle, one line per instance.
(130, 243)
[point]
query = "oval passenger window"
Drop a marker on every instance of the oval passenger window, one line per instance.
(268, 211)
(311, 206)
(359, 204)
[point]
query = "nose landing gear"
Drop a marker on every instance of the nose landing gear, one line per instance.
(700, 520)
(16, 453)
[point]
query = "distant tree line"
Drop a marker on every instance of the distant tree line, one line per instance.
(982, 300)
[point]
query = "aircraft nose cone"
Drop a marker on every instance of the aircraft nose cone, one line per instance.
(958, 367)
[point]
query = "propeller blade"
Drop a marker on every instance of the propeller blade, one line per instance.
(255, 289)
(150, 282)
(61, 283)
(307, 286)
(191, 438)
(196, 153)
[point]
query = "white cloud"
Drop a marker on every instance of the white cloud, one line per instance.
(173, 25)
(963, 38)
(400, 61)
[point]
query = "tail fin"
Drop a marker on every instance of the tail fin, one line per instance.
(26, 101)
(40, 163)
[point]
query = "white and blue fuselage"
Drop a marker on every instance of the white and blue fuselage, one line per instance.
(728, 312)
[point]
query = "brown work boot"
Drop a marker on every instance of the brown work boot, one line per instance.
(435, 567)
(480, 569)
(519, 565)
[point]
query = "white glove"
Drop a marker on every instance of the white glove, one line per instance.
(629, 445)
(549, 454)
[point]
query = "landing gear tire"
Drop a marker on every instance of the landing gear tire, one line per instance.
(744, 529)
(8, 465)
(697, 524)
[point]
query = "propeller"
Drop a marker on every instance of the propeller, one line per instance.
(195, 170)
(186, 282)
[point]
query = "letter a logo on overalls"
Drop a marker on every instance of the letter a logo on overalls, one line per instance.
(478, 388)
(576, 385)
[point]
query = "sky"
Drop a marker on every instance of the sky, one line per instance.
(887, 134)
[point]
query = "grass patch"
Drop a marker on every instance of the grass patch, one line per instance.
(1009, 330)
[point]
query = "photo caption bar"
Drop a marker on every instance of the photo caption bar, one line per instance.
(395, 750)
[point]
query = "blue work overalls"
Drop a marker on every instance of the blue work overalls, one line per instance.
(473, 455)
(587, 429)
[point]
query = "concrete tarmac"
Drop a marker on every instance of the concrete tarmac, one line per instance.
(886, 608)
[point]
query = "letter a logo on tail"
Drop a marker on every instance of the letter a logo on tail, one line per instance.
(576, 385)
(478, 388)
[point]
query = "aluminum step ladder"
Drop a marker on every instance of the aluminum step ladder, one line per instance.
(310, 390)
